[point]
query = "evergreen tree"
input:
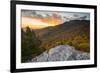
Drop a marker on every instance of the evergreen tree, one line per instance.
(29, 44)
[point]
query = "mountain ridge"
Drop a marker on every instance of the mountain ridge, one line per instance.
(75, 32)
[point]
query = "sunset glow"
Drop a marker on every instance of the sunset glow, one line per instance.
(38, 23)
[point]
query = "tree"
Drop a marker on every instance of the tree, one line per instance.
(29, 44)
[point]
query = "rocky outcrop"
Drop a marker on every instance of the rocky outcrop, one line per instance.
(61, 53)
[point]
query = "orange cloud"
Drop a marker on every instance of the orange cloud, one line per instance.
(38, 23)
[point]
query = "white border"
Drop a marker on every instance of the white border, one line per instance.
(20, 65)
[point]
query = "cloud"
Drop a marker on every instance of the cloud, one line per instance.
(66, 16)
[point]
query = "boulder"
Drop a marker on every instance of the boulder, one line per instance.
(61, 53)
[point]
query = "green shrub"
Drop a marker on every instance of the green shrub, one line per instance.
(84, 47)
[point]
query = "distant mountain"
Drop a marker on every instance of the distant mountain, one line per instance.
(61, 53)
(74, 32)
(77, 25)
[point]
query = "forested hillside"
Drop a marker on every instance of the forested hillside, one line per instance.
(75, 33)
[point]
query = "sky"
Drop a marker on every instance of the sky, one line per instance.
(41, 19)
(64, 15)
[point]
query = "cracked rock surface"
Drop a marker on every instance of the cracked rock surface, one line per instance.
(61, 53)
